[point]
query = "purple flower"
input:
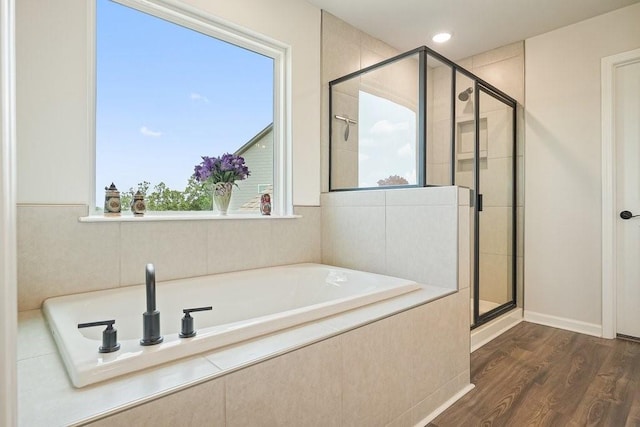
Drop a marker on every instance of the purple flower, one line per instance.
(225, 168)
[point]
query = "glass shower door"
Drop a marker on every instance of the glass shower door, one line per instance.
(495, 213)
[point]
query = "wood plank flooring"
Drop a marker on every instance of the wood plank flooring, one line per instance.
(535, 375)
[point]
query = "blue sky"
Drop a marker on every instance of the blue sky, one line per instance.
(167, 95)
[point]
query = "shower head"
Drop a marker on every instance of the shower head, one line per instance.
(464, 95)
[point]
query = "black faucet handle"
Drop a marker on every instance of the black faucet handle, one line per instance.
(191, 310)
(187, 330)
(109, 335)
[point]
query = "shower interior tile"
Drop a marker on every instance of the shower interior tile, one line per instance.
(495, 230)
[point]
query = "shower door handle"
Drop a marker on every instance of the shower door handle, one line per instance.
(479, 202)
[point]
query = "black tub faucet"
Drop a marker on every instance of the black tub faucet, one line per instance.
(151, 317)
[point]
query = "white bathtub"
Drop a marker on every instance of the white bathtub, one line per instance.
(246, 304)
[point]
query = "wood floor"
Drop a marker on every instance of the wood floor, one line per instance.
(539, 376)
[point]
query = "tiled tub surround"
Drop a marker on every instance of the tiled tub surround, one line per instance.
(364, 367)
(245, 305)
(58, 255)
(419, 234)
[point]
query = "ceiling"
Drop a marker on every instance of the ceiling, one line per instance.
(477, 25)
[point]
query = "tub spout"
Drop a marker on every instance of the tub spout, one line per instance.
(151, 317)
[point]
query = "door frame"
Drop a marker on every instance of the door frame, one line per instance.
(8, 281)
(609, 65)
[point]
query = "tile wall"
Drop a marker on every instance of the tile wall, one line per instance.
(394, 372)
(345, 49)
(58, 255)
(419, 234)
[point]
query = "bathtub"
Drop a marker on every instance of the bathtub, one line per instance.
(246, 304)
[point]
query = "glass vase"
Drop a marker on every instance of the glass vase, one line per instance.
(222, 196)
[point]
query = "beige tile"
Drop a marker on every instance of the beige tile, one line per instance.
(58, 255)
(520, 196)
(377, 378)
(178, 249)
(441, 142)
(520, 231)
(464, 196)
(439, 174)
(494, 278)
(498, 54)
(365, 198)
(496, 230)
(506, 75)
(44, 389)
(520, 127)
(442, 341)
(500, 132)
(374, 50)
(200, 405)
(344, 105)
(34, 336)
(301, 388)
(520, 281)
(296, 240)
(239, 245)
(429, 196)
(422, 244)
(496, 180)
(340, 48)
(344, 169)
(336, 27)
(353, 237)
(464, 247)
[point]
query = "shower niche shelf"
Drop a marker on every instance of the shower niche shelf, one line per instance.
(466, 142)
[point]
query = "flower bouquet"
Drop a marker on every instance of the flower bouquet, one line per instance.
(222, 172)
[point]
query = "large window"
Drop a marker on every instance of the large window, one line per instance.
(169, 93)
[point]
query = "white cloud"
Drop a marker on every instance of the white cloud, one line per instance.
(405, 151)
(198, 97)
(148, 132)
(385, 126)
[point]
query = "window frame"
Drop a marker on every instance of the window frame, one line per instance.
(202, 22)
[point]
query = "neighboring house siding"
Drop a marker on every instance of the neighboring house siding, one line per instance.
(258, 157)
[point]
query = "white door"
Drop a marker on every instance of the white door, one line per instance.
(627, 141)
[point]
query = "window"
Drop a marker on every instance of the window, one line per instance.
(169, 90)
(387, 142)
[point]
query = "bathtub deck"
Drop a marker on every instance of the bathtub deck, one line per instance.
(44, 387)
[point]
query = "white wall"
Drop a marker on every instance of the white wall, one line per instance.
(55, 155)
(563, 128)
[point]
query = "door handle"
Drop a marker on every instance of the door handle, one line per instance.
(627, 215)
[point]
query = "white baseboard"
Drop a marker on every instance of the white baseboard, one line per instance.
(563, 323)
(487, 332)
(440, 409)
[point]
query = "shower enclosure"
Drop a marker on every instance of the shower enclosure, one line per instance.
(419, 120)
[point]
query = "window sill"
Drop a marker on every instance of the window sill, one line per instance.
(188, 216)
